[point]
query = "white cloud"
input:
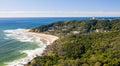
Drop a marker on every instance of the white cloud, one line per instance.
(55, 14)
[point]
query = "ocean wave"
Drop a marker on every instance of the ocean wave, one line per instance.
(23, 36)
(18, 34)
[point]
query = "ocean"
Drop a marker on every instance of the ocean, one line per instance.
(13, 41)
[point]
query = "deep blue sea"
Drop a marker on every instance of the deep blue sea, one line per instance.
(10, 44)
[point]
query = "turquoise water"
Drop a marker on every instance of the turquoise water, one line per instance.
(10, 48)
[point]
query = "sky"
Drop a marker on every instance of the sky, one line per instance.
(59, 8)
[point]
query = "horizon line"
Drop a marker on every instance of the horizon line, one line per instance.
(67, 17)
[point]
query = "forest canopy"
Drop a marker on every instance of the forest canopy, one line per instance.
(96, 44)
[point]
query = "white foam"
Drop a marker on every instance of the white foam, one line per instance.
(23, 36)
(19, 34)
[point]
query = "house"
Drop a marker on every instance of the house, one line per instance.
(76, 32)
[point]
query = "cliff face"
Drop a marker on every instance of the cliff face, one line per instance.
(97, 44)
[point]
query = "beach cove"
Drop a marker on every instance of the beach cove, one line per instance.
(32, 53)
(15, 42)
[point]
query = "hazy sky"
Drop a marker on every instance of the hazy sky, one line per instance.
(47, 8)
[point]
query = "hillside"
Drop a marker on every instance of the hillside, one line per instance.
(96, 43)
(78, 27)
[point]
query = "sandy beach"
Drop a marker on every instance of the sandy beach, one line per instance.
(49, 38)
(33, 53)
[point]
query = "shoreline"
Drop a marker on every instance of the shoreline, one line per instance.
(31, 54)
(49, 38)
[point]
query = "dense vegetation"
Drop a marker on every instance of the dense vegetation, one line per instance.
(78, 26)
(88, 48)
